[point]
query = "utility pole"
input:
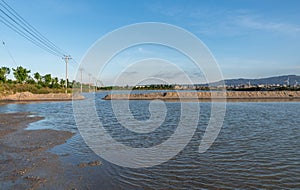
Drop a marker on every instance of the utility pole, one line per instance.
(89, 81)
(66, 58)
(96, 85)
(81, 69)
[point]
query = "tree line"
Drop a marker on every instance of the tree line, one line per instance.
(23, 76)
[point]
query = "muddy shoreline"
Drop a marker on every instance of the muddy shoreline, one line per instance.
(25, 162)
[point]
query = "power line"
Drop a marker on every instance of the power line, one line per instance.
(27, 33)
(30, 28)
(29, 38)
(33, 29)
(18, 24)
(9, 53)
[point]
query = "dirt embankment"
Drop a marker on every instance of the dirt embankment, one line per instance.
(28, 96)
(208, 95)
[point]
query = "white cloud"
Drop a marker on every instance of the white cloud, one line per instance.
(258, 23)
(218, 21)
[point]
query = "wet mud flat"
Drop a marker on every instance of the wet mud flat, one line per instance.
(25, 162)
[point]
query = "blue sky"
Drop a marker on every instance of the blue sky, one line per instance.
(248, 38)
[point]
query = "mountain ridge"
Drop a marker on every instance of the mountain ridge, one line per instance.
(280, 80)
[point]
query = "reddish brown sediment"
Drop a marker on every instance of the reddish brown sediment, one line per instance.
(267, 95)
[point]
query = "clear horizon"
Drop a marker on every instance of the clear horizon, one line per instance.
(249, 39)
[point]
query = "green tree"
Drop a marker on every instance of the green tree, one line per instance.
(37, 77)
(30, 80)
(55, 83)
(47, 80)
(62, 82)
(4, 71)
(21, 74)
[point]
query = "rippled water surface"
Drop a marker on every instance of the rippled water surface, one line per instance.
(258, 146)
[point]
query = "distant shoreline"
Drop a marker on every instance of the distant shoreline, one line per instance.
(211, 96)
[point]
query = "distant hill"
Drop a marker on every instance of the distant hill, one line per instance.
(291, 79)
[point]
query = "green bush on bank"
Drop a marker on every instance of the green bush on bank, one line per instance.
(24, 82)
(7, 89)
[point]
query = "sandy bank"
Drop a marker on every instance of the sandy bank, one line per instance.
(27, 96)
(257, 95)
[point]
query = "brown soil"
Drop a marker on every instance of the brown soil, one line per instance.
(229, 95)
(28, 96)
